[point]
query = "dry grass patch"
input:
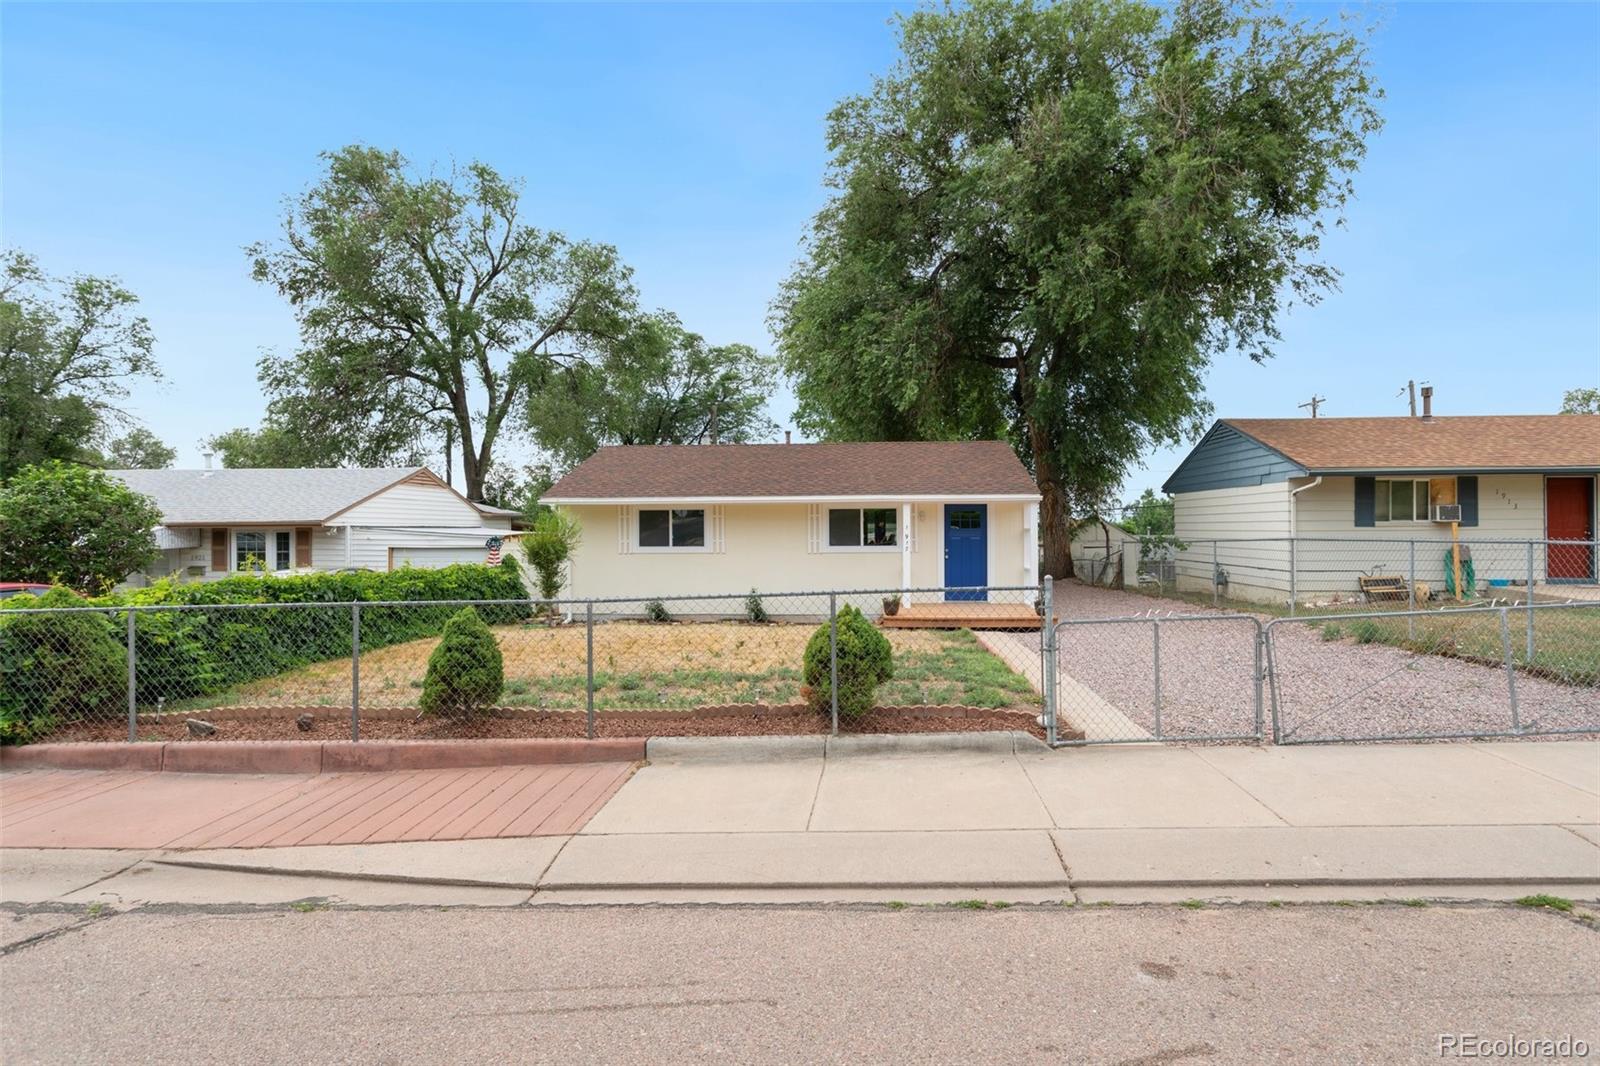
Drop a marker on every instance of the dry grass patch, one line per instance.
(637, 664)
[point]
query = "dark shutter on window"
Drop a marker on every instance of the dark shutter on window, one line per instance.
(302, 546)
(1366, 501)
(219, 549)
(1467, 497)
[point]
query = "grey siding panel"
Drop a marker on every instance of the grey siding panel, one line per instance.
(1227, 459)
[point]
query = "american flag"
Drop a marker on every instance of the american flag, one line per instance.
(493, 545)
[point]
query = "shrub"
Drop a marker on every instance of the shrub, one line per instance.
(1366, 631)
(57, 668)
(754, 609)
(866, 660)
(466, 672)
(73, 525)
(548, 546)
(656, 611)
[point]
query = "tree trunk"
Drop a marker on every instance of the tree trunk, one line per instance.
(1055, 515)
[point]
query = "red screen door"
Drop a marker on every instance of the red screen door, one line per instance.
(1569, 515)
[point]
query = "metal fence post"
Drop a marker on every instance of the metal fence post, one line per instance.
(1294, 591)
(1511, 670)
(1260, 639)
(588, 659)
(1411, 588)
(1156, 629)
(1529, 658)
(1047, 674)
(1215, 573)
(133, 682)
(355, 671)
(833, 659)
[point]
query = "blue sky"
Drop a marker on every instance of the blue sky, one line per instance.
(153, 142)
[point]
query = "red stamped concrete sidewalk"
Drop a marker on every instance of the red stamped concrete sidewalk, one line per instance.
(118, 809)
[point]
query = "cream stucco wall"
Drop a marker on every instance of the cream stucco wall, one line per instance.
(777, 548)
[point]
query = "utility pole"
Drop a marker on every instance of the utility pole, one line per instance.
(1315, 402)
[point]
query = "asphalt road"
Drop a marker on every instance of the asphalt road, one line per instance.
(1150, 985)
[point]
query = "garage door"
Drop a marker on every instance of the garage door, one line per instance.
(436, 556)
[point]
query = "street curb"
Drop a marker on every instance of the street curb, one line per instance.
(312, 757)
(778, 749)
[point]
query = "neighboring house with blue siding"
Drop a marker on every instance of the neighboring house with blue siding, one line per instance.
(1349, 492)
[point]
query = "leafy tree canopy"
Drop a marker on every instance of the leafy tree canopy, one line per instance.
(657, 383)
(425, 299)
(1150, 515)
(1581, 402)
(139, 449)
(1048, 218)
(68, 524)
(68, 347)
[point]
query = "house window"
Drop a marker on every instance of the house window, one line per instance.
(1400, 500)
(863, 527)
(678, 528)
(249, 550)
(263, 551)
(966, 519)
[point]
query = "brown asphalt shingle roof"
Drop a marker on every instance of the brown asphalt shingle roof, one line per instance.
(1462, 442)
(881, 469)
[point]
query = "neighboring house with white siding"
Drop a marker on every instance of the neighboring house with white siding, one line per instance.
(664, 520)
(221, 522)
(1353, 495)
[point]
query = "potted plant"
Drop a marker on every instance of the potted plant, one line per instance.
(891, 605)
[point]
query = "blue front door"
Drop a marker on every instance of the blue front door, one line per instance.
(966, 550)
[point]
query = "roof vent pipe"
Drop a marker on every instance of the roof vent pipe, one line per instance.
(1427, 403)
(786, 439)
(208, 460)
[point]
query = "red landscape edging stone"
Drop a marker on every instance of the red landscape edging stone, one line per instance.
(244, 757)
(124, 756)
(455, 754)
(311, 757)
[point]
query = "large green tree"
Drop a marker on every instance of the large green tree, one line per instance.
(139, 449)
(658, 383)
(64, 523)
(425, 299)
(1048, 218)
(68, 348)
(1581, 402)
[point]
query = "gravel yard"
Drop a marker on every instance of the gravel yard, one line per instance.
(1344, 683)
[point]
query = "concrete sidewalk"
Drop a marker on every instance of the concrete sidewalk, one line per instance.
(786, 822)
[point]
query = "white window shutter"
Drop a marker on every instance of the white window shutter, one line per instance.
(624, 531)
(813, 528)
(718, 544)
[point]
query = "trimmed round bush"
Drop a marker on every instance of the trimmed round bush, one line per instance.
(58, 668)
(466, 672)
(866, 660)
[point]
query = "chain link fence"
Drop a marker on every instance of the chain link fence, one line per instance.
(1318, 575)
(746, 662)
(1471, 672)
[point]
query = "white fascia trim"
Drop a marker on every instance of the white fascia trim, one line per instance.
(644, 501)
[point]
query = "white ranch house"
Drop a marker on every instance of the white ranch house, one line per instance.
(1348, 496)
(221, 522)
(725, 518)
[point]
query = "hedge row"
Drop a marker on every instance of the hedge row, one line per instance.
(185, 654)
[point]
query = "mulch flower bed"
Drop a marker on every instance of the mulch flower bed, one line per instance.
(402, 724)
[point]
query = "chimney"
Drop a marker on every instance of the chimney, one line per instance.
(1427, 403)
(786, 439)
(208, 460)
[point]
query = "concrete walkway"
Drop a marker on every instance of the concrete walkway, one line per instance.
(1081, 707)
(788, 820)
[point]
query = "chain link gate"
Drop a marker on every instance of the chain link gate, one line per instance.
(1154, 679)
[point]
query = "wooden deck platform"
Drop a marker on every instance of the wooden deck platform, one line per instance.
(962, 614)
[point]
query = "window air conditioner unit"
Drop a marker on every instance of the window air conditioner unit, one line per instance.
(1447, 512)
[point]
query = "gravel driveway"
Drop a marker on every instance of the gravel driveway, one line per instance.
(1326, 688)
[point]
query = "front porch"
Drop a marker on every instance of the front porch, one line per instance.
(962, 614)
